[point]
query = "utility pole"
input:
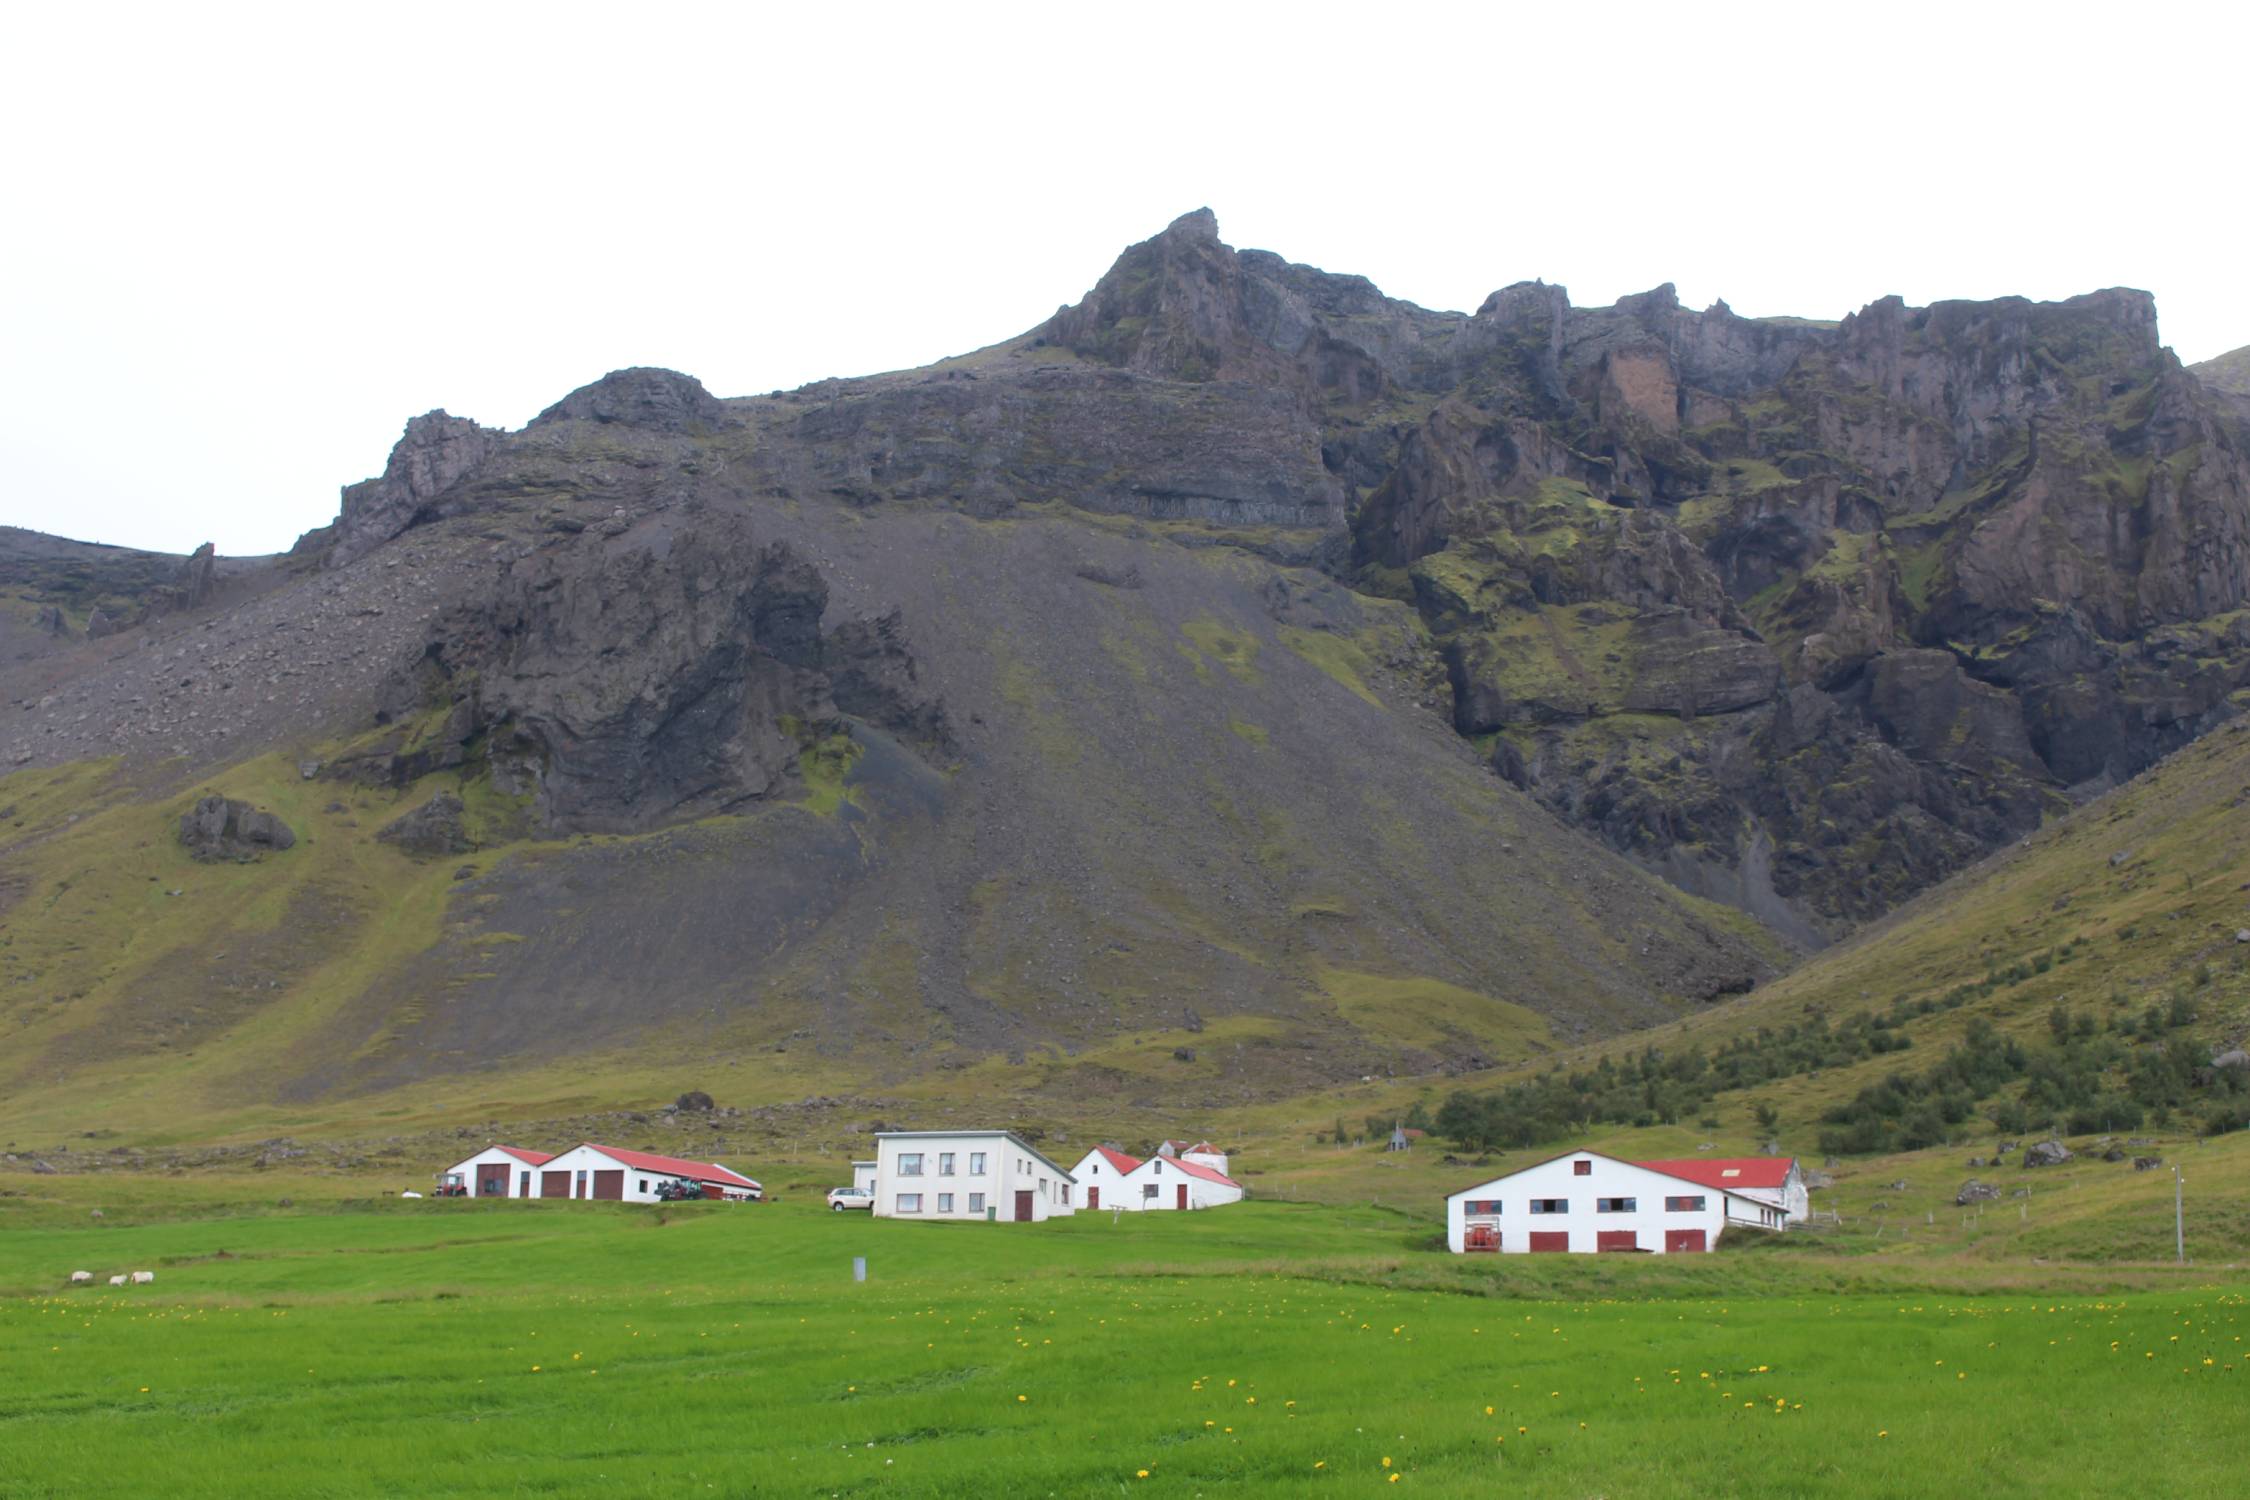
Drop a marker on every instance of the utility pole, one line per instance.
(2179, 1219)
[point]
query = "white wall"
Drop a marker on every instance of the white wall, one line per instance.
(1583, 1222)
(1008, 1168)
(863, 1175)
(1165, 1176)
(516, 1166)
(640, 1182)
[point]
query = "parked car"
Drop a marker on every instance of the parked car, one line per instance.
(840, 1199)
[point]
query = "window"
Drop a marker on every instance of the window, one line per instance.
(1581, 1169)
(1481, 1206)
(1692, 1204)
(976, 1163)
(1550, 1205)
(945, 1203)
(976, 1203)
(1616, 1205)
(523, 1185)
(581, 1189)
(1066, 1192)
(909, 1203)
(644, 1184)
(945, 1164)
(910, 1164)
(1148, 1190)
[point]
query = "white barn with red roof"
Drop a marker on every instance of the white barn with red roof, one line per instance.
(614, 1174)
(495, 1172)
(1109, 1178)
(1585, 1202)
(1777, 1180)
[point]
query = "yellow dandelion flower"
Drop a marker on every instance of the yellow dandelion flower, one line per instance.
(1386, 1460)
(1140, 1473)
(1023, 1398)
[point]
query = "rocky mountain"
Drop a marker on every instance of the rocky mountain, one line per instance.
(1240, 681)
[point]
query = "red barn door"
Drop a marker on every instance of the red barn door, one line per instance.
(610, 1185)
(1676, 1240)
(1023, 1208)
(1616, 1239)
(554, 1184)
(1550, 1239)
(1182, 1203)
(492, 1181)
(1093, 1197)
(713, 1190)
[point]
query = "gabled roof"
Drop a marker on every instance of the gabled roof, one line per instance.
(1727, 1171)
(1196, 1169)
(1664, 1169)
(695, 1171)
(1117, 1159)
(529, 1158)
(1208, 1174)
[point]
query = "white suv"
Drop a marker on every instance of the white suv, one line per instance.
(840, 1199)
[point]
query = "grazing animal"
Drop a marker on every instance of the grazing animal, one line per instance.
(140, 1277)
(80, 1278)
(117, 1280)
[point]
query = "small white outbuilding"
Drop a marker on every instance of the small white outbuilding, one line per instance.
(1585, 1202)
(494, 1172)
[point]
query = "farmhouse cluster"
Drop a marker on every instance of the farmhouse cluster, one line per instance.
(998, 1175)
(1585, 1202)
(603, 1173)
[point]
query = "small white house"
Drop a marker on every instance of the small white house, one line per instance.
(967, 1175)
(495, 1172)
(1585, 1202)
(1101, 1175)
(863, 1175)
(1775, 1180)
(1176, 1182)
(614, 1174)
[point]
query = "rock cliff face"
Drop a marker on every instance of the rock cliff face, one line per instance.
(1800, 616)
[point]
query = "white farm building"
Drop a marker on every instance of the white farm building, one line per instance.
(966, 1175)
(617, 1175)
(1585, 1202)
(1109, 1178)
(494, 1172)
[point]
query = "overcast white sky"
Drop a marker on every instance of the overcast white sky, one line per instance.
(242, 246)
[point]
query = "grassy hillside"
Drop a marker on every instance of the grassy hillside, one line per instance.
(467, 1348)
(2228, 372)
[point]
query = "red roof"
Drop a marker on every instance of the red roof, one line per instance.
(1197, 1169)
(697, 1171)
(1727, 1171)
(530, 1158)
(1118, 1159)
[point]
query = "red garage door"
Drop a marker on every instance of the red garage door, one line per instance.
(1617, 1239)
(610, 1185)
(713, 1190)
(554, 1184)
(492, 1181)
(1550, 1239)
(1676, 1240)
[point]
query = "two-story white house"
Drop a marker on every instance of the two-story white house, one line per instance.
(1585, 1202)
(968, 1175)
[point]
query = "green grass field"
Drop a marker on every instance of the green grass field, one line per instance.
(504, 1349)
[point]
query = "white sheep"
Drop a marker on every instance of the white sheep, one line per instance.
(80, 1278)
(141, 1278)
(118, 1279)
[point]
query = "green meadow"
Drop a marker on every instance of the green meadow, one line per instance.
(466, 1348)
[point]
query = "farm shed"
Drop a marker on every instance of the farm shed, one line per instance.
(967, 1174)
(1179, 1182)
(615, 1174)
(1199, 1151)
(1585, 1202)
(1101, 1176)
(863, 1175)
(496, 1172)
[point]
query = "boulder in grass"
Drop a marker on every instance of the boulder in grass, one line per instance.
(2047, 1154)
(1974, 1191)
